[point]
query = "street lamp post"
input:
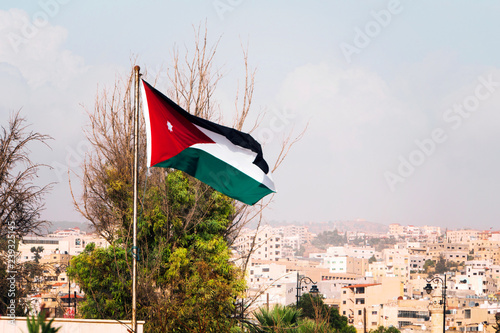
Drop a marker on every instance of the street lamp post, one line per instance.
(428, 288)
(307, 280)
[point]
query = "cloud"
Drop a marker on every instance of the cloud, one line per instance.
(49, 83)
(345, 105)
(360, 124)
(37, 50)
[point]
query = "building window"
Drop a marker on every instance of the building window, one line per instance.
(359, 290)
(413, 314)
(360, 312)
(401, 324)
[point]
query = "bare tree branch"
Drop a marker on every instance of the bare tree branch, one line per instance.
(21, 202)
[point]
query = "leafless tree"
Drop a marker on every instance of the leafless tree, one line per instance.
(21, 201)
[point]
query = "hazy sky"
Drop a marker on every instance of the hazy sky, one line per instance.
(402, 97)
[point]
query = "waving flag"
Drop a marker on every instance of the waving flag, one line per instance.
(228, 160)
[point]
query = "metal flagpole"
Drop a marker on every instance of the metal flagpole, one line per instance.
(136, 164)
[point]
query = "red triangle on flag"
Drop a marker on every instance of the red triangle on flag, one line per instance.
(170, 132)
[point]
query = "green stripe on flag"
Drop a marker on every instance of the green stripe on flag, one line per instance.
(218, 174)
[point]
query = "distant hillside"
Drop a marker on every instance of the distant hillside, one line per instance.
(315, 227)
(55, 225)
(351, 226)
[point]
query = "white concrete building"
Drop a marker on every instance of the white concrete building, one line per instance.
(265, 244)
(71, 242)
(364, 252)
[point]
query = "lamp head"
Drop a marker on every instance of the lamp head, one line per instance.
(314, 290)
(428, 288)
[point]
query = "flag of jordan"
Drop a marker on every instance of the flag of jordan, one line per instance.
(226, 159)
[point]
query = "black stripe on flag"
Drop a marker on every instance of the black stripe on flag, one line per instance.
(234, 136)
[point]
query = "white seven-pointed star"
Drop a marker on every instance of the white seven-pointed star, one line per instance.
(169, 125)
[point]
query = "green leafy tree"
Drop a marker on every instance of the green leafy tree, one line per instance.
(37, 250)
(313, 307)
(105, 276)
(358, 241)
(382, 243)
(186, 280)
(328, 238)
(441, 266)
(339, 322)
(429, 265)
(300, 251)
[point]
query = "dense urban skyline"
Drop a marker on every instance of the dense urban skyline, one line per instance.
(401, 97)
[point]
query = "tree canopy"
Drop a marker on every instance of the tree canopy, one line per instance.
(313, 307)
(383, 329)
(329, 238)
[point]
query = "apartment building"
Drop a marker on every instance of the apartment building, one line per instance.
(417, 263)
(402, 313)
(486, 249)
(461, 236)
(365, 252)
(430, 230)
(480, 280)
(294, 236)
(264, 244)
(54, 267)
(357, 299)
(70, 242)
(346, 264)
(396, 230)
(457, 252)
(397, 263)
(494, 273)
(470, 318)
(430, 233)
